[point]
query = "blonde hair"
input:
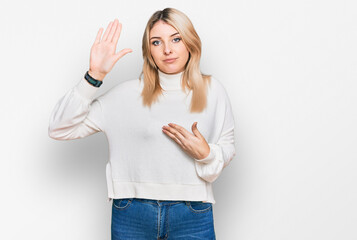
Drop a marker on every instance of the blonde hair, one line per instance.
(192, 78)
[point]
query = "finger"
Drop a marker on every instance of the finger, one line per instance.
(122, 53)
(105, 36)
(117, 34)
(172, 136)
(195, 130)
(177, 135)
(99, 34)
(112, 30)
(180, 129)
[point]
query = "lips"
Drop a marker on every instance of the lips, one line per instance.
(169, 60)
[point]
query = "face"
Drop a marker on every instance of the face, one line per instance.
(167, 48)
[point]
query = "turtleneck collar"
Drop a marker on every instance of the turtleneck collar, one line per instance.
(170, 81)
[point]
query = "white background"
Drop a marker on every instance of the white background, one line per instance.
(289, 68)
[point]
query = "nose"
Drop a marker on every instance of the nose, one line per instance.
(167, 49)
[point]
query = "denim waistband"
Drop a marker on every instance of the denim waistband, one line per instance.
(160, 202)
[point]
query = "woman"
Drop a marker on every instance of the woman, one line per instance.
(159, 174)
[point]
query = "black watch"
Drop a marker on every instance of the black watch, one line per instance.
(92, 81)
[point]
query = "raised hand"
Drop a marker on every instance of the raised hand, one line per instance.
(102, 55)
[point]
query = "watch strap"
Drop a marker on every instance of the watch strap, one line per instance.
(92, 81)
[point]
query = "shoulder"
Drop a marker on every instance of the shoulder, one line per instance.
(123, 89)
(216, 87)
(218, 95)
(132, 84)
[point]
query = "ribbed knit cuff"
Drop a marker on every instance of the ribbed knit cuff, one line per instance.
(210, 156)
(86, 90)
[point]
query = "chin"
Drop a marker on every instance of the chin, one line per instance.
(171, 70)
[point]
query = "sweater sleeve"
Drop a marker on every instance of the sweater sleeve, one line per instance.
(222, 151)
(76, 114)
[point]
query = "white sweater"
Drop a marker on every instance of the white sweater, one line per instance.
(144, 161)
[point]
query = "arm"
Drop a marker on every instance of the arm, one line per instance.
(76, 114)
(222, 151)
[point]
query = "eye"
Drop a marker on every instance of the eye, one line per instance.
(153, 43)
(179, 39)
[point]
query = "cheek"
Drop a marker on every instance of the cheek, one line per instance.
(154, 54)
(184, 52)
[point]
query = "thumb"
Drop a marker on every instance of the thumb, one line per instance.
(195, 130)
(120, 54)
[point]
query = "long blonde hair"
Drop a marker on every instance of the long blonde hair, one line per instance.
(192, 78)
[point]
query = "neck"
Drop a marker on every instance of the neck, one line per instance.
(170, 82)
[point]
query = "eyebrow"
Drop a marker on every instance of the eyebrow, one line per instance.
(160, 37)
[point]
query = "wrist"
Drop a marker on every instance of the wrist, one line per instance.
(92, 81)
(96, 75)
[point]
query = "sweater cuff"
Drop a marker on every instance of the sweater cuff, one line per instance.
(211, 156)
(86, 90)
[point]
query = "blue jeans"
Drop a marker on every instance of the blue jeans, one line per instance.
(148, 219)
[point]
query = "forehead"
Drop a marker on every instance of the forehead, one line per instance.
(162, 29)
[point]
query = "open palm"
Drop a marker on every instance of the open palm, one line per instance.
(103, 56)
